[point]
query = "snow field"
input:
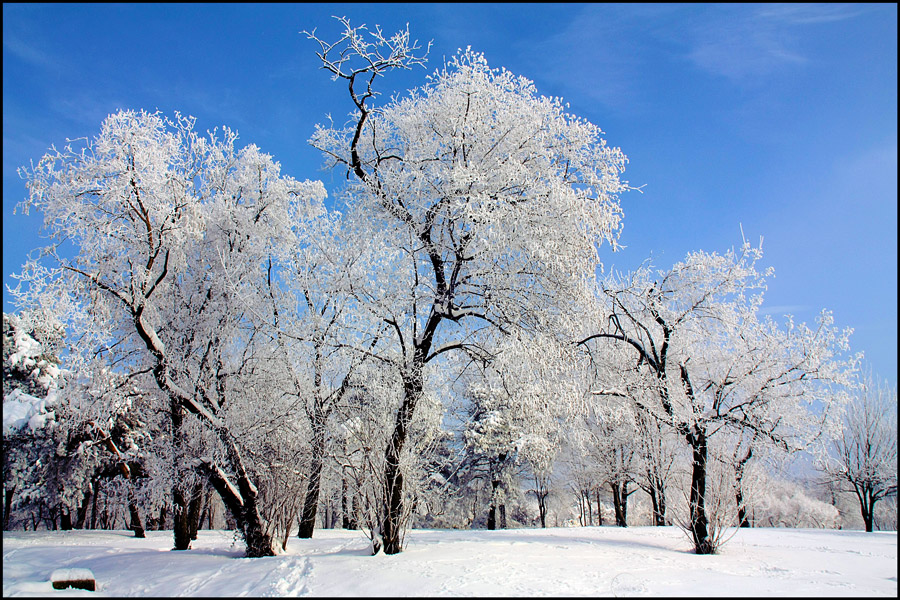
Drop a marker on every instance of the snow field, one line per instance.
(592, 561)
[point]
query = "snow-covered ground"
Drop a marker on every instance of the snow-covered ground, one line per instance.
(593, 561)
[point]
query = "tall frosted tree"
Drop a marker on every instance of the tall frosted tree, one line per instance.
(157, 229)
(863, 453)
(488, 201)
(708, 361)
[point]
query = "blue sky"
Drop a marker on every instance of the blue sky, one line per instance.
(781, 119)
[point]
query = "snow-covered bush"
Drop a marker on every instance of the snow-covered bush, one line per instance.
(787, 504)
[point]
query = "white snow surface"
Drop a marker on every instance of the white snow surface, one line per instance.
(590, 561)
(71, 575)
(21, 409)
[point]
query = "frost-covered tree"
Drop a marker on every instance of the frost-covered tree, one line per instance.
(783, 503)
(863, 453)
(30, 386)
(71, 432)
(606, 435)
(300, 316)
(161, 227)
(487, 200)
(516, 400)
(717, 364)
(657, 454)
(491, 437)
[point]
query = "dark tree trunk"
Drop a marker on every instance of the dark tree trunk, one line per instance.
(599, 512)
(65, 520)
(391, 528)
(348, 506)
(661, 515)
(743, 521)
(496, 486)
(51, 519)
(194, 506)
(204, 511)
(620, 502)
(542, 508)
(241, 503)
(656, 490)
(492, 513)
(699, 521)
(7, 506)
(867, 502)
(81, 516)
(96, 486)
(869, 520)
(210, 512)
(136, 524)
(654, 503)
(311, 502)
(181, 528)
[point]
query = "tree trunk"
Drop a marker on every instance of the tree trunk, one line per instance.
(739, 490)
(163, 515)
(492, 513)
(96, 486)
(204, 511)
(657, 493)
(65, 520)
(866, 506)
(620, 503)
(654, 503)
(50, 518)
(81, 516)
(599, 512)
(194, 506)
(587, 517)
(241, 503)
(7, 506)
(181, 529)
(136, 525)
(210, 510)
(311, 502)
(661, 499)
(391, 529)
(699, 521)
(542, 508)
(743, 521)
(348, 508)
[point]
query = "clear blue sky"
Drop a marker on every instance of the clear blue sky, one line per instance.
(782, 118)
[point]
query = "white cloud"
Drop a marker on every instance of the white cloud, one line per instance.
(747, 43)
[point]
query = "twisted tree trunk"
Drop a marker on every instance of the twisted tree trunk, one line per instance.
(392, 524)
